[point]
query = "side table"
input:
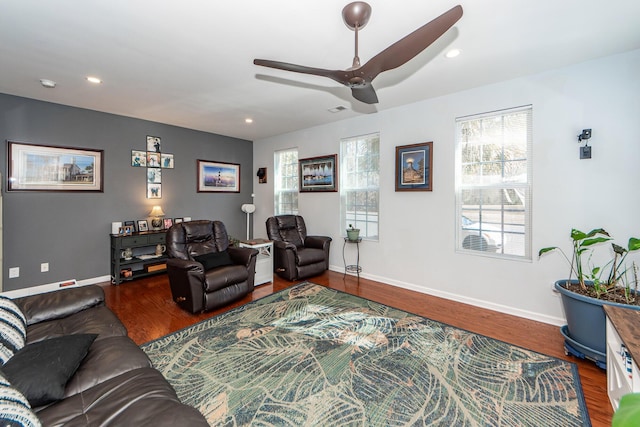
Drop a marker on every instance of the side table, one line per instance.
(264, 261)
(352, 268)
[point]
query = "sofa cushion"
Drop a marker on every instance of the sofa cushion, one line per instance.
(141, 397)
(107, 358)
(214, 260)
(224, 276)
(96, 320)
(15, 410)
(307, 256)
(13, 329)
(41, 370)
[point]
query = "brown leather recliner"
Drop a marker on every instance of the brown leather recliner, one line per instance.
(297, 256)
(204, 271)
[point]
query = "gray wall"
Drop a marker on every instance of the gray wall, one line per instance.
(70, 231)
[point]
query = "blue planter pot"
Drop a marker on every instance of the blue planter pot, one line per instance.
(586, 320)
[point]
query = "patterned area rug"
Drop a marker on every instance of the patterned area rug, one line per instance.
(313, 356)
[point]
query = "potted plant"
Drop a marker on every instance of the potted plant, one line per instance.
(353, 233)
(613, 283)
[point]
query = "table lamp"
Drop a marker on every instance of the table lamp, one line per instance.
(156, 214)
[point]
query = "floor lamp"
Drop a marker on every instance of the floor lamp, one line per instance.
(248, 208)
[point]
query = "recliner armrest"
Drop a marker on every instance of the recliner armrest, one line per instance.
(60, 303)
(242, 256)
(317, 242)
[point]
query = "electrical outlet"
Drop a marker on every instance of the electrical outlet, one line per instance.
(44, 267)
(14, 272)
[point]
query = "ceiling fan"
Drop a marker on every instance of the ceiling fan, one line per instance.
(359, 77)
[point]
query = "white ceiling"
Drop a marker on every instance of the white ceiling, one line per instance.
(190, 63)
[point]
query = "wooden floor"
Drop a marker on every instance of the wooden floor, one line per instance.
(147, 310)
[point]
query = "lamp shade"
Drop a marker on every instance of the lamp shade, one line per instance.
(156, 211)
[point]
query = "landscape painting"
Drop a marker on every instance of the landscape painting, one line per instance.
(319, 173)
(35, 167)
(218, 177)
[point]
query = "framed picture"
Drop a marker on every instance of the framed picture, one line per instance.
(35, 167)
(154, 191)
(414, 167)
(131, 224)
(138, 158)
(318, 173)
(128, 230)
(153, 159)
(166, 161)
(168, 223)
(153, 143)
(154, 175)
(142, 225)
(218, 177)
(177, 220)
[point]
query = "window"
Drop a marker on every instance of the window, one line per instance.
(493, 183)
(285, 188)
(360, 184)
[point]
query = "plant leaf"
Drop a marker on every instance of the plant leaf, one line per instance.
(545, 250)
(628, 413)
(618, 249)
(589, 242)
(577, 234)
(597, 231)
(634, 244)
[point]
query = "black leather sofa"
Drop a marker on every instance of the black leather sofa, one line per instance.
(115, 384)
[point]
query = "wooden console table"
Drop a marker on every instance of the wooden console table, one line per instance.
(623, 352)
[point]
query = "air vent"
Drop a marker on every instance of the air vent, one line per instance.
(337, 109)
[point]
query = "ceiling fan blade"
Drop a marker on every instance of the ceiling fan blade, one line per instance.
(336, 75)
(408, 47)
(366, 94)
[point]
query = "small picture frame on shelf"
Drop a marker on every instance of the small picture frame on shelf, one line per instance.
(128, 230)
(186, 219)
(168, 223)
(131, 224)
(143, 225)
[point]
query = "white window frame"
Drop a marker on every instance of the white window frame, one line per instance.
(285, 183)
(360, 174)
(495, 220)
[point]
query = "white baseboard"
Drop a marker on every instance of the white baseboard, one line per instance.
(50, 287)
(557, 321)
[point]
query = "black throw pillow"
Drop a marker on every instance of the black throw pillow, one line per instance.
(214, 260)
(41, 370)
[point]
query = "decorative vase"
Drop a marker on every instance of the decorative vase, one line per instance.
(353, 234)
(127, 254)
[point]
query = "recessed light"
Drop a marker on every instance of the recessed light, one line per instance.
(48, 83)
(248, 120)
(93, 79)
(453, 53)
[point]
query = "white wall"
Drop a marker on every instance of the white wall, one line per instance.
(416, 247)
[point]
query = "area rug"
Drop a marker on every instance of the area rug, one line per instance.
(313, 356)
